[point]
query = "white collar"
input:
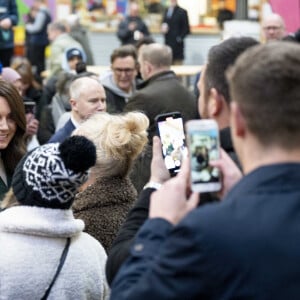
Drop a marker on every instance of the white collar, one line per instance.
(75, 123)
(40, 221)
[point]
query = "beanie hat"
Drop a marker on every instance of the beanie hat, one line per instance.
(10, 75)
(73, 52)
(49, 175)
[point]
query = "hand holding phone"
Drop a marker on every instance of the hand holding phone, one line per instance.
(159, 172)
(171, 132)
(231, 174)
(203, 145)
(171, 202)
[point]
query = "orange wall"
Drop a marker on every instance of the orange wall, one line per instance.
(229, 4)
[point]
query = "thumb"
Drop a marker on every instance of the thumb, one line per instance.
(185, 168)
(222, 161)
(156, 148)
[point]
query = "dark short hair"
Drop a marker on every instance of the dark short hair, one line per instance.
(80, 67)
(220, 57)
(265, 82)
(124, 51)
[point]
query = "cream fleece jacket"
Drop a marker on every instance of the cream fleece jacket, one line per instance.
(31, 242)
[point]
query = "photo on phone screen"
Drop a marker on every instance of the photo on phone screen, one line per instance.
(203, 143)
(30, 107)
(171, 132)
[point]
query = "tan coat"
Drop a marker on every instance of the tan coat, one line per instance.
(103, 207)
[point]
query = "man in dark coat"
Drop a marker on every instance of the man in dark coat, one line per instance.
(161, 92)
(36, 35)
(247, 246)
(132, 28)
(175, 28)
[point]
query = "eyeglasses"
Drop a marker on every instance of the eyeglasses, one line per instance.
(127, 71)
(275, 28)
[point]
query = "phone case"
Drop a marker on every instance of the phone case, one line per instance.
(171, 132)
(203, 145)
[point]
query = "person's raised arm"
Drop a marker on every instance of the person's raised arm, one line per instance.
(119, 250)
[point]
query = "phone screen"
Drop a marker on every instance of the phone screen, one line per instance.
(203, 147)
(171, 132)
(30, 107)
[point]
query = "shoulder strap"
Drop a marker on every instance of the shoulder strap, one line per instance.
(61, 263)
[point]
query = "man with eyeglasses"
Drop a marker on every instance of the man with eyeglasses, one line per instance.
(119, 84)
(273, 27)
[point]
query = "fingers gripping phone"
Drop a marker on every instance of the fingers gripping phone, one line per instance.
(203, 146)
(171, 132)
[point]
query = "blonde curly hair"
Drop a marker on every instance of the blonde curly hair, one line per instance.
(119, 139)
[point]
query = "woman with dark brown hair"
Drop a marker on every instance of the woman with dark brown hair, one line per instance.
(12, 131)
(30, 88)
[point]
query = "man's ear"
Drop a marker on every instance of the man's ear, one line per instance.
(148, 67)
(237, 120)
(73, 103)
(215, 103)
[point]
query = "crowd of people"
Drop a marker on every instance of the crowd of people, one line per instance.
(88, 207)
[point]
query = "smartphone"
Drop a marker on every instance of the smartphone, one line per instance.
(203, 146)
(30, 107)
(171, 132)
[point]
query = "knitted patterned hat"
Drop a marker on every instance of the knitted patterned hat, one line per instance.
(49, 175)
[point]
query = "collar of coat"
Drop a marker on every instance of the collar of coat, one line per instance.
(164, 75)
(40, 221)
